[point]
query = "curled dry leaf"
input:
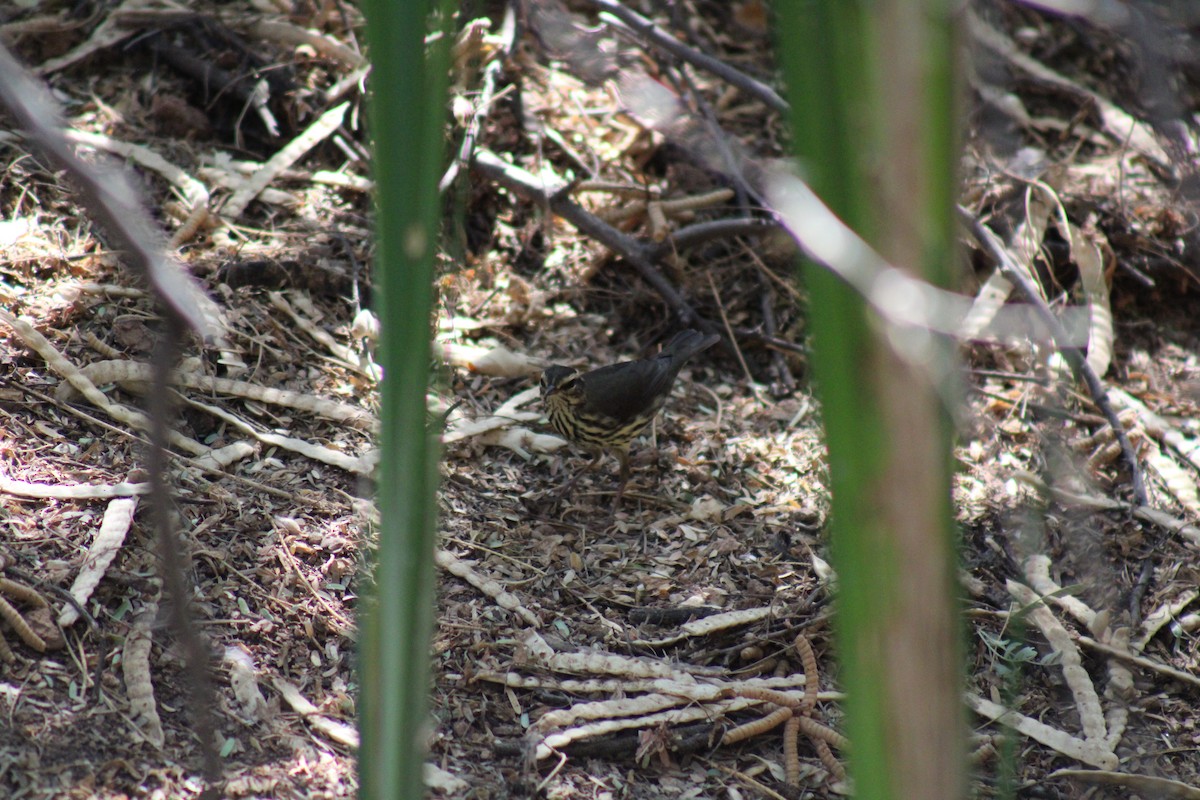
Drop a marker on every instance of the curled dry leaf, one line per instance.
(118, 517)
(1087, 701)
(1141, 785)
(135, 376)
(1095, 753)
(135, 659)
(243, 680)
(337, 731)
(1120, 690)
(706, 626)
(497, 361)
(1179, 481)
(523, 441)
(1087, 251)
(1037, 572)
(489, 586)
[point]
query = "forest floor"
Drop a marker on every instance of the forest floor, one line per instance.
(558, 621)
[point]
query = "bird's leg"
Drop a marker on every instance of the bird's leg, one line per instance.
(566, 487)
(623, 455)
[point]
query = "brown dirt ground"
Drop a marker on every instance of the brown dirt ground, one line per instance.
(727, 507)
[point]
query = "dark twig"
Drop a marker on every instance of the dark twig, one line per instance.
(659, 38)
(196, 658)
(737, 351)
(703, 232)
(555, 198)
(772, 342)
(1017, 276)
(785, 381)
(1145, 574)
(217, 81)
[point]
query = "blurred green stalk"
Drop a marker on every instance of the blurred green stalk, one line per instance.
(407, 113)
(873, 101)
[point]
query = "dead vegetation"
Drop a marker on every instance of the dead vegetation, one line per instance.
(606, 196)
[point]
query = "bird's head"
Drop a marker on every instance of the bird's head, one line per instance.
(562, 382)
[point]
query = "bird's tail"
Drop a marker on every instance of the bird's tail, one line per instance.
(688, 343)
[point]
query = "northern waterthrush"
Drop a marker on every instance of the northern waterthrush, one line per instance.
(606, 408)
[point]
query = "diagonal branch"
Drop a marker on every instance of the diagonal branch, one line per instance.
(553, 196)
(665, 41)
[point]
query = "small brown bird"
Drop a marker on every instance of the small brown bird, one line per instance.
(606, 408)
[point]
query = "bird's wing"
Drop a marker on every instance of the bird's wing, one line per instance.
(624, 391)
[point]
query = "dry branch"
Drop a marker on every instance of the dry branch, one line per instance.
(553, 196)
(651, 33)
